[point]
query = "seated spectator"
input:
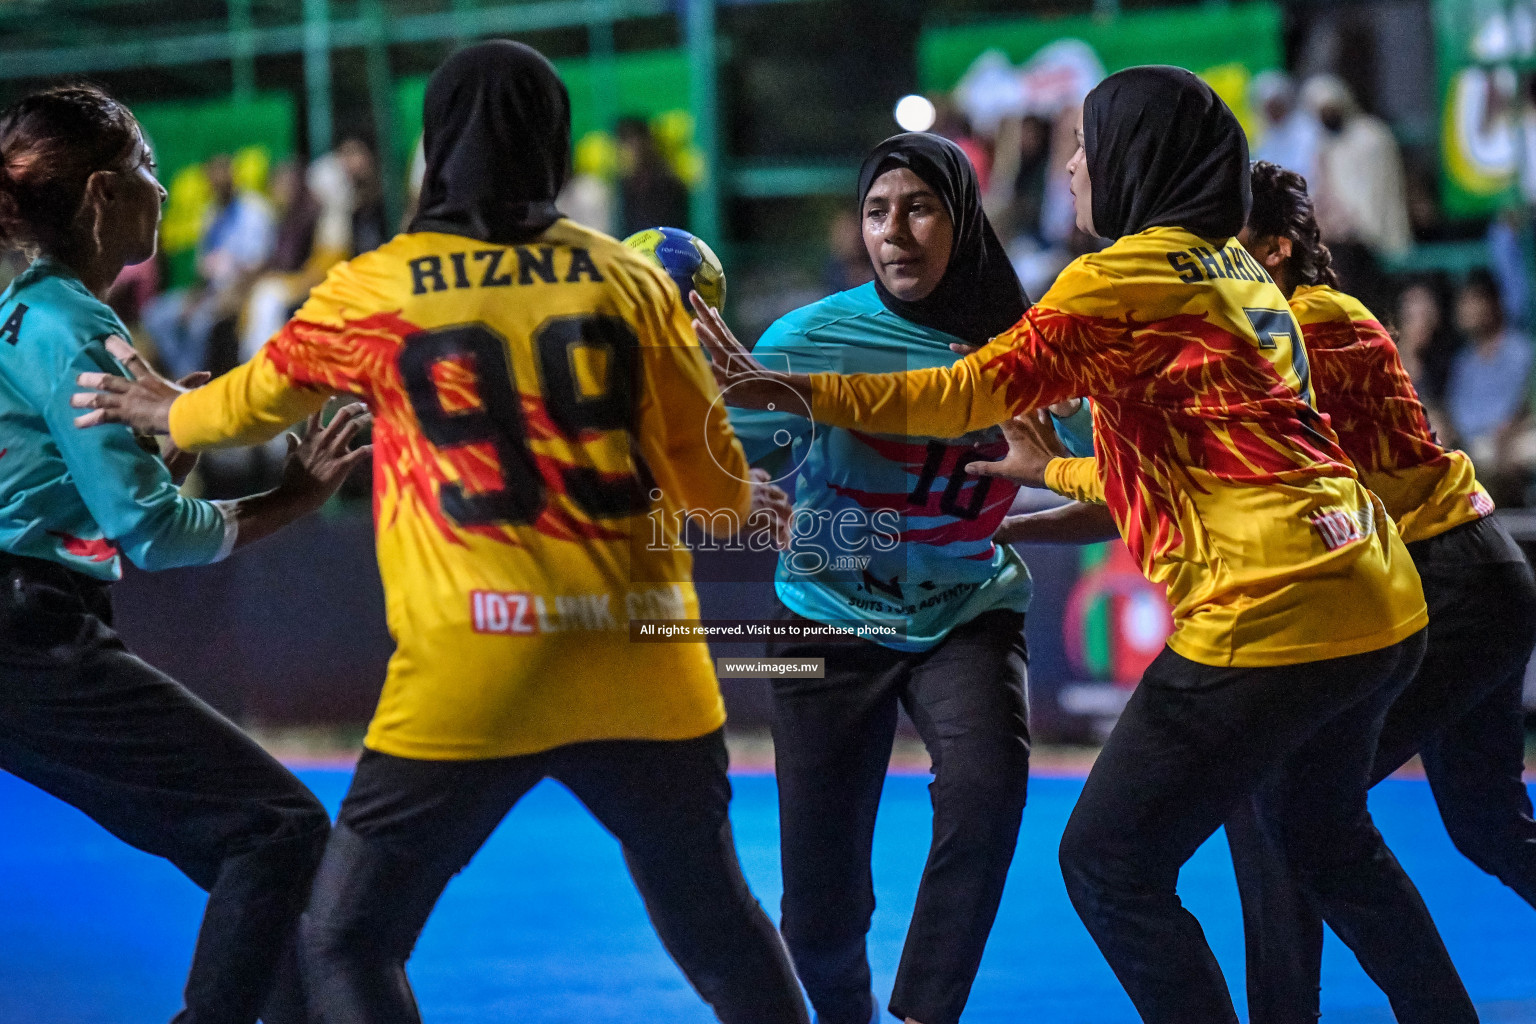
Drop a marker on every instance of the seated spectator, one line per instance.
(1486, 397)
(234, 245)
(651, 195)
(1020, 167)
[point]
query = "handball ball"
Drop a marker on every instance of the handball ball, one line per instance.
(686, 259)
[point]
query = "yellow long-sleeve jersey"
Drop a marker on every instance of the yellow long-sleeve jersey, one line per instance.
(543, 417)
(1371, 403)
(1225, 483)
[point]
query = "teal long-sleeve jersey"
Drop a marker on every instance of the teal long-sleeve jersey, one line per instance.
(887, 529)
(82, 498)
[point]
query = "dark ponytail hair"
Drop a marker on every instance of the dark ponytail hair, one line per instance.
(51, 142)
(1283, 209)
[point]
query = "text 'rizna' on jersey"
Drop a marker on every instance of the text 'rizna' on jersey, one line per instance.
(491, 268)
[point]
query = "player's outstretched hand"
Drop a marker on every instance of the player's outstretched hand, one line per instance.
(143, 402)
(317, 465)
(745, 382)
(1032, 444)
(770, 502)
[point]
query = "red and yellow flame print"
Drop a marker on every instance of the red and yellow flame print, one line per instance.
(582, 557)
(361, 357)
(1369, 397)
(1211, 459)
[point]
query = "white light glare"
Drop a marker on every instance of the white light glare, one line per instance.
(915, 113)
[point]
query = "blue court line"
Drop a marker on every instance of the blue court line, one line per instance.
(544, 927)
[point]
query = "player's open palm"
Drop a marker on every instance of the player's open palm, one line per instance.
(143, 403)
(317, 465)
(745, 382)
(1032, 444)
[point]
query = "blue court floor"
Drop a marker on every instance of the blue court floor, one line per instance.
(544, 927)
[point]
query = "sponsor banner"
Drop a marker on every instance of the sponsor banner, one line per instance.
(1040, 66)
(1485, 52)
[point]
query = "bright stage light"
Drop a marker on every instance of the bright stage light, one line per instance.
(915, 113)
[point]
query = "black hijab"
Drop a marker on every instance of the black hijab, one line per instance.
(497, 144)
(1164, 151)
(979, 295)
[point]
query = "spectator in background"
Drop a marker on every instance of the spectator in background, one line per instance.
(951, 123)
(288, 274)
(1057, 240)
(1507, 262)
(1019, 169)
(650, 192)
(332, 212)
(234, 245)
(1360, 191)
(1427, 343)
(588, 197)
(1486, 398)
(1291, 133)
(370, 227)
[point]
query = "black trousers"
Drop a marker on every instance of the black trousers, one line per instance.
(1194, 741)
(85, 720)
(832, 744)
(407, 827)
(1463, 713)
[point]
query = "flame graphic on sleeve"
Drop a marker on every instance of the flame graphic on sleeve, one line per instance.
(1364, 388)
(1169, 394)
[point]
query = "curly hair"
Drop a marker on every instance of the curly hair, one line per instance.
(1283, 209)
(51, 142)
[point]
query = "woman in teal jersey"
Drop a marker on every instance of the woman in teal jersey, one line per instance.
(891, 536)
(80, 716)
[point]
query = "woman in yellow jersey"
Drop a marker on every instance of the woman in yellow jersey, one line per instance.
(1298, 612)
(1462, 713)
(543, 418)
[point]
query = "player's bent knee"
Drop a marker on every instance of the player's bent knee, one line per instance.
(1093, 862)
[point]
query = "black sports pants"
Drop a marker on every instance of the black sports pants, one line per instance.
(407, 827)
(1463, 714)
(1193, 742)
(85, 720)
(832, 744)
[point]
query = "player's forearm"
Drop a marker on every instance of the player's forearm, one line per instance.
(1077, 523)
(259, 516)
(251, 404)
(1077, 479)
(945, 402)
